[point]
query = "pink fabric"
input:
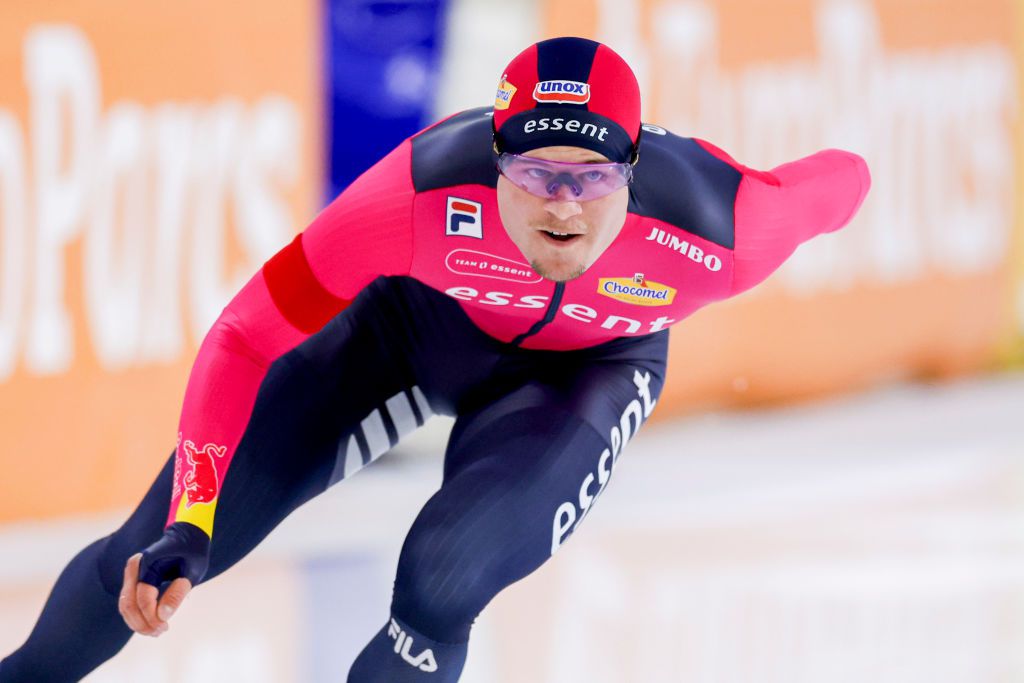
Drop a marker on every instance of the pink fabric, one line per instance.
(227, 373)
(814, 195)
(367, 231)
(778, 210)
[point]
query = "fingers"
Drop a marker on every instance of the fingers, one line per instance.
(128, 603)
(172, 599)
(146, 596)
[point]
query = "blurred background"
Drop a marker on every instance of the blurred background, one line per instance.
(832, 486)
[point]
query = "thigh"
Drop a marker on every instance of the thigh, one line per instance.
(566, 430)
(521, 474)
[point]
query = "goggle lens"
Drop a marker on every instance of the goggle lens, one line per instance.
(564, 181)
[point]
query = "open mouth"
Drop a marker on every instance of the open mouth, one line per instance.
(559, 236)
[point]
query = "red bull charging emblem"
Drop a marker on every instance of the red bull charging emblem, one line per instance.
(201, 483)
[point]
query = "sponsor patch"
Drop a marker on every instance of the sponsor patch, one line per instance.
(636, 290)
(480, 264)
(424, 661)
(200, 482)
(506, 91)
(464, 218)
(563, 92)
(691, 251)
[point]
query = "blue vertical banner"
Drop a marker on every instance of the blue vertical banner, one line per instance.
(382, 66)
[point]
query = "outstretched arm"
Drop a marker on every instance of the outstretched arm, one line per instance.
(778, 210)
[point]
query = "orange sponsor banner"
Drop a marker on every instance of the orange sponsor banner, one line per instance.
(152, 156)
(921, 282)
(1015, 339)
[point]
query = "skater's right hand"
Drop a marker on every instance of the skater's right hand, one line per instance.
(171, 566)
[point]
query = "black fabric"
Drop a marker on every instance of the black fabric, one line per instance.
(418, 657)
(680, 184)
(458, 151)
(565, 59)
(536, 128)
(536, 431)
(182, 552)
(78, 629)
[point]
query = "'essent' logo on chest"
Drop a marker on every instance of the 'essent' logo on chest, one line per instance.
(691, 251)
(464, 218)
(636, 290)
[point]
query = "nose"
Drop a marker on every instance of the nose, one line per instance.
(561, 182)
(563, 210)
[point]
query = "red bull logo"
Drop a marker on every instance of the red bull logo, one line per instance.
(563, 92)
(201, 483)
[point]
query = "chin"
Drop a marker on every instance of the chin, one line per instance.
(558, 272)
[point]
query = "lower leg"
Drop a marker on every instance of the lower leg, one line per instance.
(489, 526)
(400, 654)
(79, 628)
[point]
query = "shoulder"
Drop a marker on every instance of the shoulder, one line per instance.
(455, 151)
(687, 183)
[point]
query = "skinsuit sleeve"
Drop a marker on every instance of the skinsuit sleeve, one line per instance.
(778, 210)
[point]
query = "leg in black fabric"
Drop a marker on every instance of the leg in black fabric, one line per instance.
(80, 626)
(520, 476)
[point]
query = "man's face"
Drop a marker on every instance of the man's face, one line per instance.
(531, 220)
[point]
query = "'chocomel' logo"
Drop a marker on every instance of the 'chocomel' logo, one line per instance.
(424, 661)
(563, 92)
(636, 290)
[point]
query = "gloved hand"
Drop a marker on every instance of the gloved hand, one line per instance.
(174, 564)
(182, 552)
